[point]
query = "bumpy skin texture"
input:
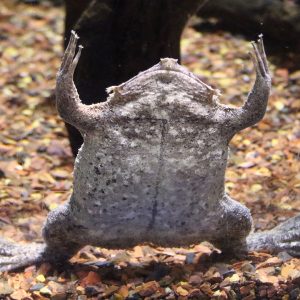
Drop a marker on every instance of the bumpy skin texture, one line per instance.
(152, 166)
(153, 161)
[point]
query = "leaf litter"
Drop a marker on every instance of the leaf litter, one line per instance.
(36, 175)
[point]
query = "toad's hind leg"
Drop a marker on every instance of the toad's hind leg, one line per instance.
(233, 224)
(60, 235)
(284, 237)
(14, 256)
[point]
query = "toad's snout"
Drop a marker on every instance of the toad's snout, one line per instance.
(169, 64)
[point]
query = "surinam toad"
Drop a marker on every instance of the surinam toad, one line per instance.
(152, 167)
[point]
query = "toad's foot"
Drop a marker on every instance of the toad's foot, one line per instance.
(14, 256)
(284, 237)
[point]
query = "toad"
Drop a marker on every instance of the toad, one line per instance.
(152, 167)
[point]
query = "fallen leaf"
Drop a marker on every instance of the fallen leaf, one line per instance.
(91, 279)
(19, 295)
(263, 172)
(256, 187)
(272, 261)
(5, 288)
(110, 290)
(148, 288)
(123, 291)
(181, 291)
(40, 278)
(234, 278)
(286, 270)
(138, 251)
(45, 291)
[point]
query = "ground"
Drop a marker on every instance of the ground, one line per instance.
(36, 174)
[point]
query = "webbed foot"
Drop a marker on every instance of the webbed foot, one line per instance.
(284, 237)
(260, 62)
(14, 256)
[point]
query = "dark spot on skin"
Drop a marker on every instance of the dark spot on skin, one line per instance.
(124, 198)
(102, 191)
(80, 227)
(97, 171)
(108, 182)
(114, 180)
(104, 210)
(182, 223)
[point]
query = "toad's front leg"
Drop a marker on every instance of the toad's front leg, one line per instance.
(69, 106)
(236, 119)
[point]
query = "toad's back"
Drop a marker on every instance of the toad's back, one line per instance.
(149, 175)
(155, 161)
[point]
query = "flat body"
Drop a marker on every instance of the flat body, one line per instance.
(154, 170)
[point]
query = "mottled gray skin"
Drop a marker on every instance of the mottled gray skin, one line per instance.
(152, 166)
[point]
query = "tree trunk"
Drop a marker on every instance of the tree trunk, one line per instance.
(120, 39)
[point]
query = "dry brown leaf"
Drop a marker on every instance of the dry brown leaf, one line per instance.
(148, 288)
(138, 252)
(272, 261)
(287, 270)
(123, 291)
(181, 291)
(110, 290)
(91, 279)
(19, 295)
